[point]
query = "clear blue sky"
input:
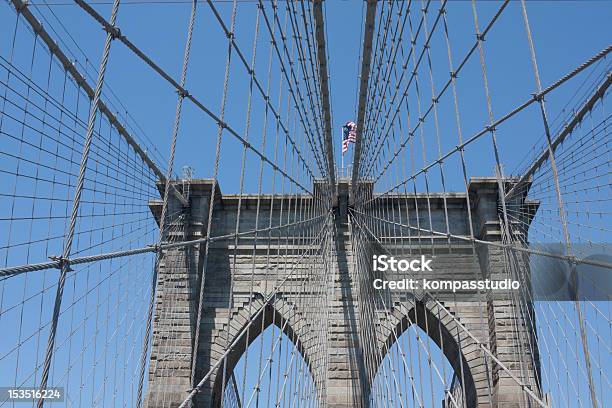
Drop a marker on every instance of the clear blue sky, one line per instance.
(566, 33)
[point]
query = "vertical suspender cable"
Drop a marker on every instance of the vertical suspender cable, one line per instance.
(559, 197)
(64, 263)
(162, 219)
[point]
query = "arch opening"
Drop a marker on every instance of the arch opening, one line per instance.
(269, 368)
(421, 364)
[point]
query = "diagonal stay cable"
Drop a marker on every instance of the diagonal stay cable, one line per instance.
(453, 75)
(65, 266)
(482, 346)
(22, 9)
(324, 85)
(164, 209)
(270, 27)
(307, 75)
(567, 130)
(298, 40)
(505, 117)
(56, 262)
(396, 339)
(259, 86)
(248, 324)
(373, 86)
(140, 54)
(416, 64)
(571, 259)
(390, 68)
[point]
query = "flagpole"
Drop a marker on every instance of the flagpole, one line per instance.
(342, 149)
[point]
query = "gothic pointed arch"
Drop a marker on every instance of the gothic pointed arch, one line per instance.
(278, 312)
(435, 321)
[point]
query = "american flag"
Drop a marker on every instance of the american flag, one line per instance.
(349, 135)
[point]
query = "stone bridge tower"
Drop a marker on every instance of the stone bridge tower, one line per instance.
(490, 319)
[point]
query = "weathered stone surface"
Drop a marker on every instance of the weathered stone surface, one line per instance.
(239, 273)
